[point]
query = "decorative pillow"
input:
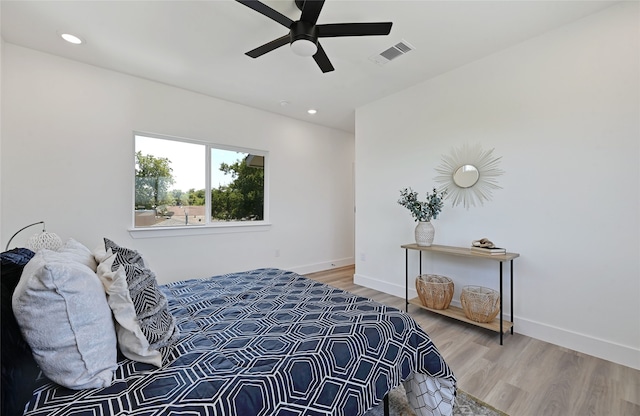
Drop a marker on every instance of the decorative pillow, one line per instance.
(78, 252)
(19, 370)
(143, 322)
(63, 314)
(123, 255)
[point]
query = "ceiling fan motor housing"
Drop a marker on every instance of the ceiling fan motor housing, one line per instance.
(301, 30)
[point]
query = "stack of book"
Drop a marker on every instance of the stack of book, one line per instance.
(485, 250)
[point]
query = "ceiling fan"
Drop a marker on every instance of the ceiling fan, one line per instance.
(304, 33)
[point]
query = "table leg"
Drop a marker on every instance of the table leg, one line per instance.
(501, 332)
(511, 297)
(406, 280)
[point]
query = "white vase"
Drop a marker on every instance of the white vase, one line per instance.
(424, 233)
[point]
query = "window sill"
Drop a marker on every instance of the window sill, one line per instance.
(222, 228)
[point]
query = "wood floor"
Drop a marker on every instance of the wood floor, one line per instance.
(525, 376)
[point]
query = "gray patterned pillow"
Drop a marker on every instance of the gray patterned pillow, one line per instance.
(123, 255)
(157, 324)
(144, 323)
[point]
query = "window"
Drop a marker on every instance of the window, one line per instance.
(181, 183)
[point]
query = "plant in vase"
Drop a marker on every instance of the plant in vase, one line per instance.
(423, 212)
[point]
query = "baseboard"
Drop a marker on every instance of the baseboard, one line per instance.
(318, 267)
(607, 350)
(382, 286)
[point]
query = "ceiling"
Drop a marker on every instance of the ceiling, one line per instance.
(200, 45)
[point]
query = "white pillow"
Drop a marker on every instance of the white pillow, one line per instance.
(62, 311)
(133, 344)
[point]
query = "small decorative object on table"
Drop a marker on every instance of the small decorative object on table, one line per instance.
(423, 212)
(485, 246)
(480, 304)
(435, 291)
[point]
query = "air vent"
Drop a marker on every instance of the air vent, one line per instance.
(392, 53)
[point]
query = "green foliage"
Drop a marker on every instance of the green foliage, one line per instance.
(153, 179)
(195, 197)
(422, 211)
(191, 197)
(180, 197)
(243, 198)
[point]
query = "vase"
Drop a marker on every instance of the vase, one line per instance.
(424, 233)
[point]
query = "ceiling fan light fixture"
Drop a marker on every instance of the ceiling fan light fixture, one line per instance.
(304, 47)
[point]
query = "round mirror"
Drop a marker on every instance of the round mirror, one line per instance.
(466, 176)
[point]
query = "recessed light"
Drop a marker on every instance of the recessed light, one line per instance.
(71, 38)
(312, 111)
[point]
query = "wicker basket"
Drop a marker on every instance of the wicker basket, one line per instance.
(435, 291)
(480, 304)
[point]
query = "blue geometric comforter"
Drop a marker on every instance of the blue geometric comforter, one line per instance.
(264, 342)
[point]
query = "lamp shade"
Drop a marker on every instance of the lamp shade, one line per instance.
(47, 240)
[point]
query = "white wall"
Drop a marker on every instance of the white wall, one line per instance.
(563, 111)
(67, 158)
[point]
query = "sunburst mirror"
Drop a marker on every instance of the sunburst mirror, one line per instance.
(468, 175)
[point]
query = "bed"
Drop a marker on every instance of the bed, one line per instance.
(268, 342)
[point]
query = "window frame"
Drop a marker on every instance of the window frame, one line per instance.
(209, 227)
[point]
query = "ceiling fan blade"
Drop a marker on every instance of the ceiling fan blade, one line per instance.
(322, 60)
(353, 29)
(268, 47)
(311, 10)
(267, 11)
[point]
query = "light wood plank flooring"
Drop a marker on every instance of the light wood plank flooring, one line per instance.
(525, 376)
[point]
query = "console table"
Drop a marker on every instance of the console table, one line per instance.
(498, 325)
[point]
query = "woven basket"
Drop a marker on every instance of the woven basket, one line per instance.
(479, 303)
(435, 291)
